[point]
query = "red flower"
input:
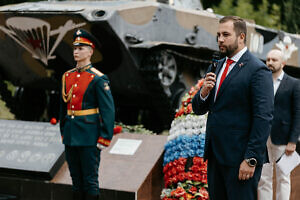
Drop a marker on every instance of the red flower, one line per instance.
(189, 100)
(181, 176)
(174, 179)
(200, 83)
(166, 167)
(204, 178)
(180, 112)
(195, 168)
(53, 121)
(203, 192)
(193, 190)
(182, 161)
(117, 129)
(189, 109)
(192, 90)
(198, 161)
(179, 192)
(189, 175)
(174, 171)
(180, 168)
(168, 182)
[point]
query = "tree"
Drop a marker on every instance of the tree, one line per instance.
(292, 16)
(277, 14)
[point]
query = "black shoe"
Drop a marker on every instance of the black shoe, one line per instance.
(78, 195)
(91, 197)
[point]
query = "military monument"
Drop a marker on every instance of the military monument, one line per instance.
(151, 50)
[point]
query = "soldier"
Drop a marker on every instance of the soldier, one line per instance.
(86, 117)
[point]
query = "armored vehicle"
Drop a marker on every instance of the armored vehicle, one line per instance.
(152, 52)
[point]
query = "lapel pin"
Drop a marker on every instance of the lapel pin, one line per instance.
(241, 65)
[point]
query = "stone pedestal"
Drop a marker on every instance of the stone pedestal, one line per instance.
(128, 177)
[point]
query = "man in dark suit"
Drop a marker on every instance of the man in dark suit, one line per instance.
(239, 104)
(285, 128)
(86, 117)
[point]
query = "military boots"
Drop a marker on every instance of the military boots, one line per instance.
(91, 197)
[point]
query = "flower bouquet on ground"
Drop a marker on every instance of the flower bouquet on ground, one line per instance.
(137, 129)
(185, 172)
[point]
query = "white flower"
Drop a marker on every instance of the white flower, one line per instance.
(287, 47)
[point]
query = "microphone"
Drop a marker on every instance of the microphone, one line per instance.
(215, 58)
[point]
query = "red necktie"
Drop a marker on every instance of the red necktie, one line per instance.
(228, 63)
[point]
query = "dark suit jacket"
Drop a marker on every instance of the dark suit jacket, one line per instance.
(239, 121)
(286, 122)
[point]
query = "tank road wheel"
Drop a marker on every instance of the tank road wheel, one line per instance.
(167, 69)
(165, 84)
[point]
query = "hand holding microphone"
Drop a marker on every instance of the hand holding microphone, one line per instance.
(210, 78)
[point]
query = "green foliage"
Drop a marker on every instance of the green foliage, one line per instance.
(292, 15)
(138, 129)
(266, 14)
(226, 7)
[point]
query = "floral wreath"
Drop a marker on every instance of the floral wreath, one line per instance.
(185, 172)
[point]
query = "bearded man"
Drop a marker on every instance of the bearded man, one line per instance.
(285, 128)
(239, 100)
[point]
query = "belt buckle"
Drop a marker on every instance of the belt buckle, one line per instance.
(72, 116)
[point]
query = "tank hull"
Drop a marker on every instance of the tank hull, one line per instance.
(152, 52)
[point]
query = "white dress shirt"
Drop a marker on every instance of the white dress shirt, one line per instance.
(235, 58)
(277, 82)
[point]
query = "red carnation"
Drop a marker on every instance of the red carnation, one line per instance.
(117, 129)
(180, 112)
(204, 178)
(180, 168)
(179, 192)
(198, 161)
(197, 177)
(165, 168)
(181, 176)
(189, 109)
(195, 168)
(189, 175)
(174, 171)
(203, 192)
(182, 161)
(192, 90)
(53, 121)
(193, 190)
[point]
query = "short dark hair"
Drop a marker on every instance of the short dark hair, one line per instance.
(239, 24)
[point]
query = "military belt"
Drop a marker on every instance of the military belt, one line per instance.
(83, 112)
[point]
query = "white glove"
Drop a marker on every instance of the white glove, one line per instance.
(100, 146)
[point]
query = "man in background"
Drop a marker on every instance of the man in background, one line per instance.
(285, 128)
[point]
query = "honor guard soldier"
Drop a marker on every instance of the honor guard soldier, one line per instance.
(86, 117)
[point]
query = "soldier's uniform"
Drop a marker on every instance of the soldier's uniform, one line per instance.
(86, 123)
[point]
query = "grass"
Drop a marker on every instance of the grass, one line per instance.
(4, 111)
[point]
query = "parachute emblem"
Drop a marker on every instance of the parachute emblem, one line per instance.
(34, 35)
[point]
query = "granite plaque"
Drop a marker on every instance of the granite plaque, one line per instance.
(30, 149)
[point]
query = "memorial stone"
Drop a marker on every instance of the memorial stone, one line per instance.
(30, 149)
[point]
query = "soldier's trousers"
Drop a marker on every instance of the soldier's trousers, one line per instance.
(83, 164)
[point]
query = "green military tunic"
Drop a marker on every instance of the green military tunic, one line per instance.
(85, 91)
